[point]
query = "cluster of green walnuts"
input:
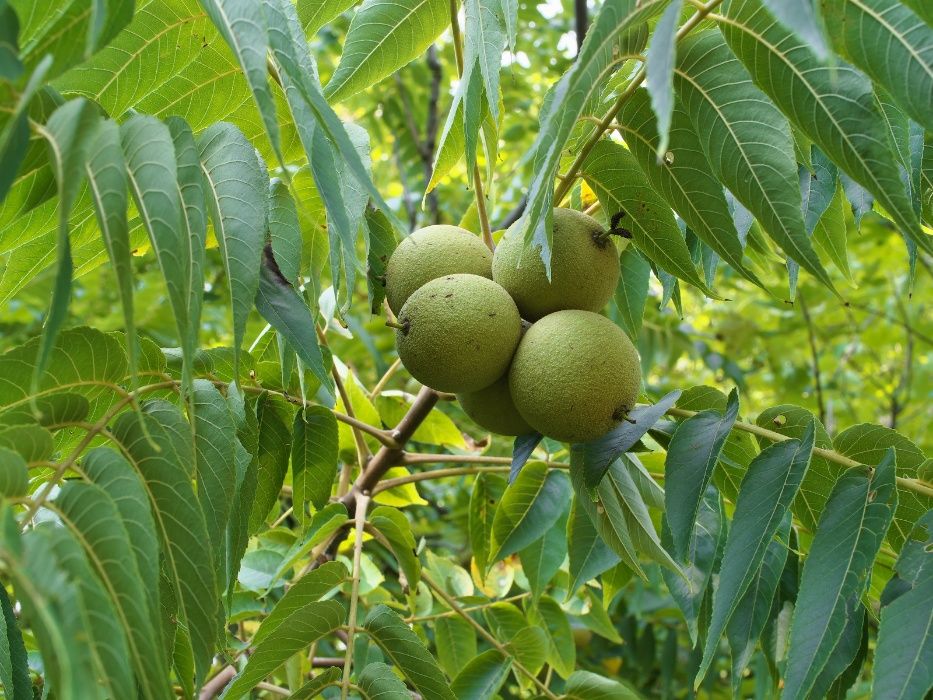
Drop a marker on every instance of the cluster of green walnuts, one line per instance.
(522, 353)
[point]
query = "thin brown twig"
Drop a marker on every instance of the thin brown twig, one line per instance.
(516, 664)
(814, 358)
(916, 485)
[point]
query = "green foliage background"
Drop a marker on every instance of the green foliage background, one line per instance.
(221, 498)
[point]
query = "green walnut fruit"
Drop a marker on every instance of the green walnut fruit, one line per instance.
(574, 376)
(584, 267)
(492, 408)
(458, 333)
(432, 252)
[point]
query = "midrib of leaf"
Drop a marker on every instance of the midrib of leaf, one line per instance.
(144, 43)
(893, 32)
(861, 521)
(660, 250)
(879, 190)
(378, 45)
(736, 263)
(710, 644)
(91, 554)
(818, 273)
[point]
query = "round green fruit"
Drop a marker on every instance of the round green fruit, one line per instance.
(584, 267)
(432, 252)
(492, 409)
(458, 333)
(574, 376)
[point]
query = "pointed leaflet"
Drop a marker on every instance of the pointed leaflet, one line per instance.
(51, 607)
(237, 535)
(659, 70)
(14, 664)
(835, 575)
(838, 673)
(151, 167)
(529, 507)
(306, 99)
(67, 132)
(484, 41)
(611, 170)
(215, 464)
(236, 194)
(892, 45)
(562, 651)
(486, 495)
(691, 457)
(904, 653)
(92, 514)
(105, 635)
(596, 456)
(588, 555)
(377, 681)
(482, 677)
(274, 448)
(832, 104)
(14, 136)
(191, 193)
(405, 649)
(278, 302)
(314, 15)
(624, 503)
(395, 528)
(343, 242)
(243, 27)
(867, 443)
(684, 178)
(383, 37)
(299, 630)
(284, 230)
(632, 291)
(747, 140)
(324, 679)
(179, 522)
(768, 489)
(522, 448)
(106, 173)
(583, 685)
(455, 642)
(308, 589)
(690, 591)
(542, 558)
(110, 471)
(751, 614)
(314, 457)
(592, 65)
